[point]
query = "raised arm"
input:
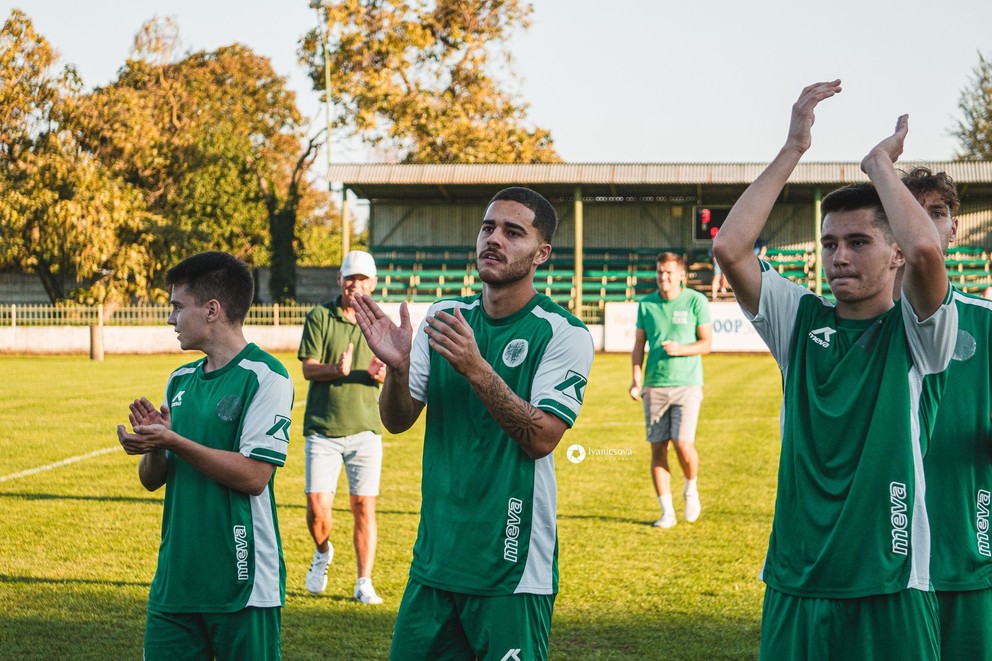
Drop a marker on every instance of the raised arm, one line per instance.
(925, 281)
(391, 344)
(733, 246)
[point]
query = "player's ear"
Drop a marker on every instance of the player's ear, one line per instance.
(543, 254)
(213, 309)
(898, 258)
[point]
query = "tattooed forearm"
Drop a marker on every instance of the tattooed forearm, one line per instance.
(519, 418)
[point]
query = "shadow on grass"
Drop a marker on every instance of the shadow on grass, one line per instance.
(604, 518)
(6, 578)
(160, 501)
(99, 499)
(89, 620)
(105, 620)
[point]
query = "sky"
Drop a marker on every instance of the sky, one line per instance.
(637, 81)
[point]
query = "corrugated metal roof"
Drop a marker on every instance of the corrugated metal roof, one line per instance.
(626, 174)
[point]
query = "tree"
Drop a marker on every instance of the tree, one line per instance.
(416, 77)
(33, 94)
(61, 213)
(213, 140)
(974, 132)
(64, 216)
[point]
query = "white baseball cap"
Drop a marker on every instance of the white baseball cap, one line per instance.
(358, 262)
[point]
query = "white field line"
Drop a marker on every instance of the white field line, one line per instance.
(72, 460)
(59, 464)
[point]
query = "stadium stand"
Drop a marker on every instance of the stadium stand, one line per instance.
(615, 275)
(968, 268)
(796, 264)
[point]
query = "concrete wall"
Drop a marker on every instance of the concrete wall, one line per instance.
(128, 339)
(42, 340)
(731, 333)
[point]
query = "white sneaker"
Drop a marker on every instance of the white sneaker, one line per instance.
(365, 593)
(692, 507)
(666, 521)
(317, 574)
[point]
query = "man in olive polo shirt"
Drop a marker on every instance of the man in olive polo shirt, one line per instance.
(341, 424)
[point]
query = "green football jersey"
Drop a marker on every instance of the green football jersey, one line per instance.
(850, 517)
(345, 406)
(221, 549)
(675, 320)
(958, 466)
(487, 521)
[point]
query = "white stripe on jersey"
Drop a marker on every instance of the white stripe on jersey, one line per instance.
(265, 586)
(919, 561)
(537, 577)
(971, 300)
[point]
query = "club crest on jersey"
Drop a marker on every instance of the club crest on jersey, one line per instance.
(515, 352)
(680, 317)
(965, 346)
(177, 399)
(229, 407)
(822, 336)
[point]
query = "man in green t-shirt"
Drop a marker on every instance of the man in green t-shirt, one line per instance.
(502, 375)
(847, 568)
(674, 322)
(341, 424)
(958, 466)
(215, 444)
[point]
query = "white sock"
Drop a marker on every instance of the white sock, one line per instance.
(666, 504)
(690, 488)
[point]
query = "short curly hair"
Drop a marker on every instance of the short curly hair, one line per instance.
(921, 180)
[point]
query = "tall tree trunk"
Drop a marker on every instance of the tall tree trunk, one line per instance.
(282, 227)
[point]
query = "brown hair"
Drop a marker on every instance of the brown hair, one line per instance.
(921, 181)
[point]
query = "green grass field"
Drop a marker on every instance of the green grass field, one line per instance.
(78, 542)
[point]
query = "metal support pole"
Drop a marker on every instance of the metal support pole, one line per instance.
(96, 336)
(577, 205)
(345, 223)
(328, 108)
(817, 250)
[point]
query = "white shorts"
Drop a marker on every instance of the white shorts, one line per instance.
(672, 413)
(361, 454)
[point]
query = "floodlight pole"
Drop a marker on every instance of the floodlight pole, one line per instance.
(817, 249)
(319, 5)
